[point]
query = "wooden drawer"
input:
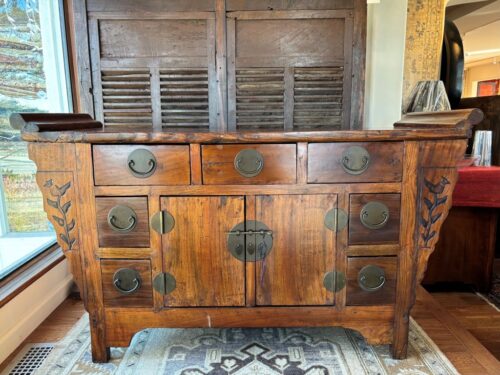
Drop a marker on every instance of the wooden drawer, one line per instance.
(345, 162)
(140, 295)
(367, 222)
(357, 292)
(112, 165)
(123, 231)
(278, 164)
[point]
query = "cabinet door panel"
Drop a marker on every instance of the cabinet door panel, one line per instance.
(196, 255)
(303, 250)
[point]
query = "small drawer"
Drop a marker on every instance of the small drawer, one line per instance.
(374, 218)
(126, 283)
(249, 164)
(123, 222)
(371, 281)
(354, 162)
(141, 165)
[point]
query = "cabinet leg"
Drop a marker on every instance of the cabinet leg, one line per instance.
(399, 346)
(100, 352)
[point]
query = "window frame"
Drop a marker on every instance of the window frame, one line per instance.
(26, 273)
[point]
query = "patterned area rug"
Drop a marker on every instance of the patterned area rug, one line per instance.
(494, 294)
(271, 351)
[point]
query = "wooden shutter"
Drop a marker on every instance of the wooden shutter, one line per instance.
(289, 69)
(153, 69)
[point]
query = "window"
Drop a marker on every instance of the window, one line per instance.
(34, 71)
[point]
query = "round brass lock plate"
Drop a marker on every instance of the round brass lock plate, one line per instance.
(122, 219)
(374, 215)
(249, 163)
(371, 278)
(127, 281)
(250, 241)
(141, 163)
(336, 219)
(355, 160)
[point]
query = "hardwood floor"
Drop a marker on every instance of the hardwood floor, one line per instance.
(459, 323)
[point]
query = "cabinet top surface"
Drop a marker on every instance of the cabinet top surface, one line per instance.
(70, 128)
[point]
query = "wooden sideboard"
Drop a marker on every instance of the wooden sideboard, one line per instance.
(255, 228)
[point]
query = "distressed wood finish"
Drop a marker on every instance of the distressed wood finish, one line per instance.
(385, 165)
(280, 165)
(195, 82)
(290, 276)
(195, 252)
(137, 237)
(112, 297)
(389, 233)
(111, 165)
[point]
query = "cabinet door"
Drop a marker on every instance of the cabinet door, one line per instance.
(303, 250)
(196, 255)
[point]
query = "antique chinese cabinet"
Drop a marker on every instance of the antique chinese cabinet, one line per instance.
(221, 177)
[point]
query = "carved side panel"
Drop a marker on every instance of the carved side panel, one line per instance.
(437, 179)
(55, 178)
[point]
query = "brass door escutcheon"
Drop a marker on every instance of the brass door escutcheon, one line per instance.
(336, 219)
(162, 222)
(374, 215)
(127, 281)
(250, 241)
(249, 162)
(164, 283)
(122, 219)
(141, 163)
(355, 160)
(371, 278)
(334, 281)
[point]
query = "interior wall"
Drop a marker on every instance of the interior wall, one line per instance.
(20, 316)
(479, 73)
(386, 31)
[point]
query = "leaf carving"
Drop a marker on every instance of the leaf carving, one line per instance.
(66, 207)
(442, 200)
(71, 225)
(63, 189)
(64, 238)
(52, 203)
(58, 220)
(428, 203)
(423, 222)
(435, 218)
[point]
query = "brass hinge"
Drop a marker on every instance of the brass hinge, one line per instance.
(334, 281)
(162, 222)
(336, 219)
(164, 283)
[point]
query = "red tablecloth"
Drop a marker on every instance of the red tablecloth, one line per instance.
(477, 187)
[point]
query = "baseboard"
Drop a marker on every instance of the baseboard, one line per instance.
(23, 314)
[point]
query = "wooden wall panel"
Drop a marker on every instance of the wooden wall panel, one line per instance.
(150, 5)
(288, 4)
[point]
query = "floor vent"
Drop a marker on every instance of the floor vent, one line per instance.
(28, 361)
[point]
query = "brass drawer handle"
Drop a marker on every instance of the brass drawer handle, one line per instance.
(249, 163)
(122, 219)
(355, 160)
(374, 215)
(371, 278)
(142, 163)
(126, 280)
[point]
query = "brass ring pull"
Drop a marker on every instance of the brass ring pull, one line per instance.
(141, 163)
(371, 278)
(374, 215)
(152, 167)
(355, 160)
(132, 222)
(249, 163)
(136, 282)
(127, 280)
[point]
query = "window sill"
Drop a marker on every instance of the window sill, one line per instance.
(19, 280)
